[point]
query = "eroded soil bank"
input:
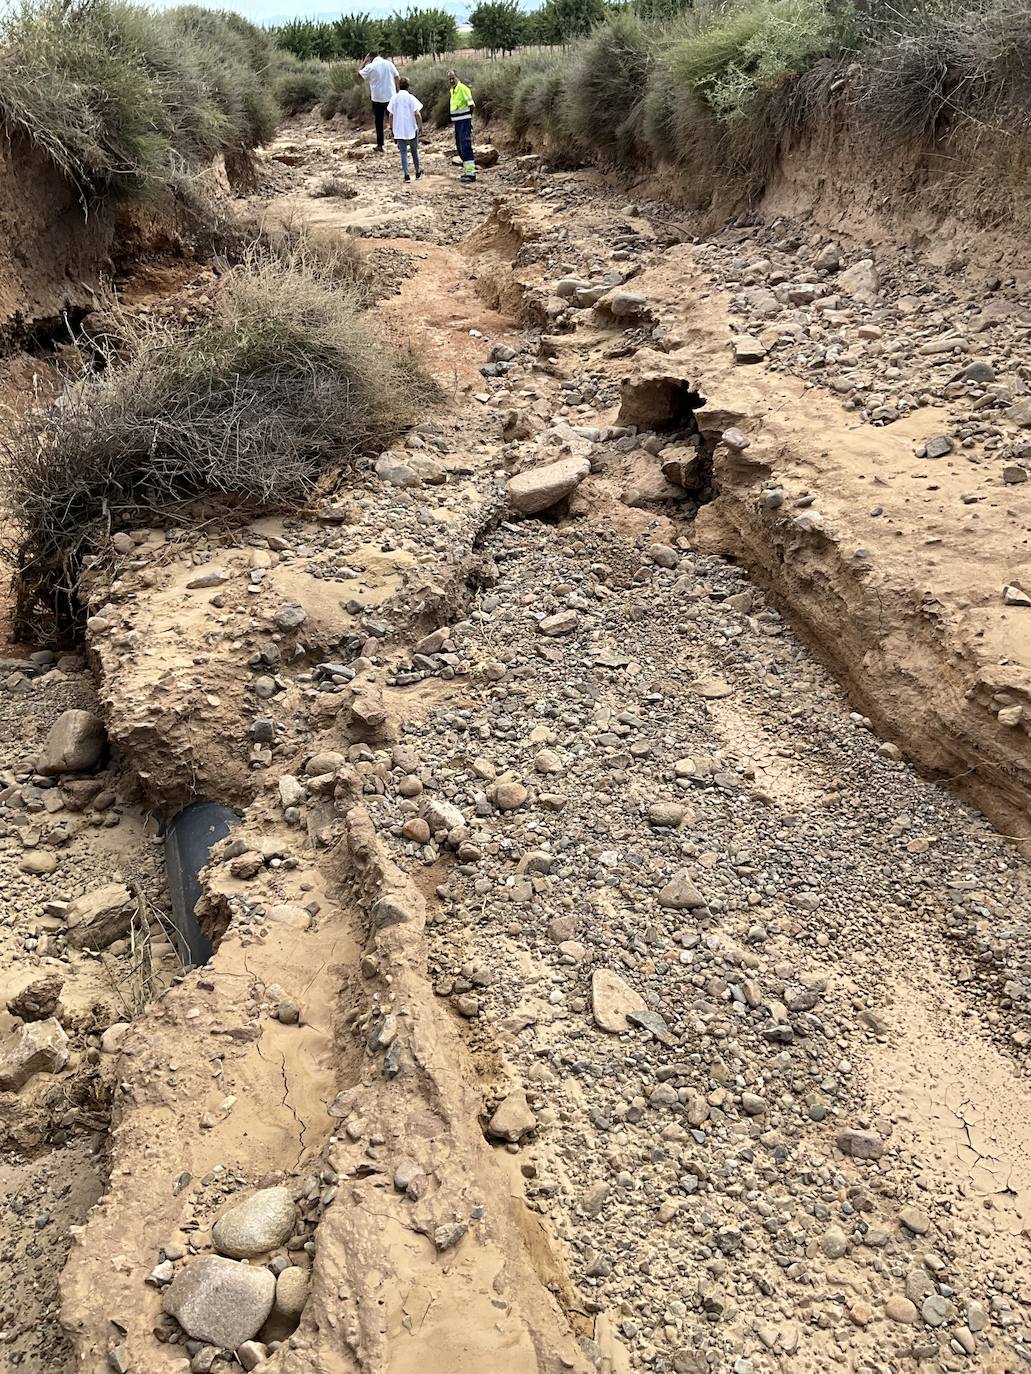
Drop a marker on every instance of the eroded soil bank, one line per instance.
(603, 991)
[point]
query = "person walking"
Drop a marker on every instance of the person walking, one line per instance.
(382, 76)
(406, 124)
(462, 106)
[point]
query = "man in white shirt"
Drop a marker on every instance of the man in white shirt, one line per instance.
(382, 76)
(406, 122)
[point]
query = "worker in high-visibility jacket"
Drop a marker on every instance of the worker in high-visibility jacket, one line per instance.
(462, 106)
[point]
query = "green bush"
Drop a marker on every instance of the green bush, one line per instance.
(119, 97)
(299, 91)
(537, 102)
(604, 100)
(730, 60)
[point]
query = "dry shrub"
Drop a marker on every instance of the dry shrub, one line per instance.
(331, 186)
(118, 97)
(286, 384)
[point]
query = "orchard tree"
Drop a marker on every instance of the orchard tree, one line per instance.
(357, 34)
(498, 26)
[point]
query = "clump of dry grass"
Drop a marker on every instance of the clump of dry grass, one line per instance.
(334, 186)
(118, 97)
(286, 383)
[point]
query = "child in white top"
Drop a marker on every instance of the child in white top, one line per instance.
(406, 122)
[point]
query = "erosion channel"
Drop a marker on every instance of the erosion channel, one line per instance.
(621, 960)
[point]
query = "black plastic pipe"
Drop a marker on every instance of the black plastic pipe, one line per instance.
(188, 839)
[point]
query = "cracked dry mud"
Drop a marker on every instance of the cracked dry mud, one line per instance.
(606, 992)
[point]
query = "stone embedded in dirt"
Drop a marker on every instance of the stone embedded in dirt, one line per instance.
(39, 863)
(114, 1037)
(35, 1047)
(510, 796)
(630, 305)
(392, 468)
(901, 1310)
(39, 1000)
(1020, 413)
(736, 438)
(98, 918)
(653, 1023)
(834, 1243)
(513, 1118)
(915, 1219)
(433, 642)
(682, 465)
(290, 616)
(561, 623)
(611, 1000)
(711, 688)
(541, 488)
(569, 286)
(75, 744)
(547, 761)
(366, 706)
(680, 893)
(1015, 596)
(442, 815)
(291, 792)
(252, 1354)
(214, 577)
(220, 1301)
(861, 280)
(487, 156)
(666, 815)
(935, 1309)
(828, 259)
(663, 555)
(938, 447)
(1013, 474)
(859, 1144)
(326, 761)
(977, 371)
(256, 1225)
(291, 1293)
(287, 914)
(748, 349)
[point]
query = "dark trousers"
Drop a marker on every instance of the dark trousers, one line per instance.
(379, 113)
(464, 140)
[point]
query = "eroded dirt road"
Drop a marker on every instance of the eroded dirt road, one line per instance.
(604, 991)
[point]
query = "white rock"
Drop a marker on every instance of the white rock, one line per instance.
(543, 487)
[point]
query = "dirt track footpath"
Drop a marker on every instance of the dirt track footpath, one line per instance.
(707, 916)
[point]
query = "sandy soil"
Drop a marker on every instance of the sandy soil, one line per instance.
(407, 953)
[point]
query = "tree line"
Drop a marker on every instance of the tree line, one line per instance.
(498, 26)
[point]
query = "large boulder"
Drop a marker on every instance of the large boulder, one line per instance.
(37, 1047)
(75, 744)
(543, 487)
(220, 1301)
(256, 1225)
(100, 917)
